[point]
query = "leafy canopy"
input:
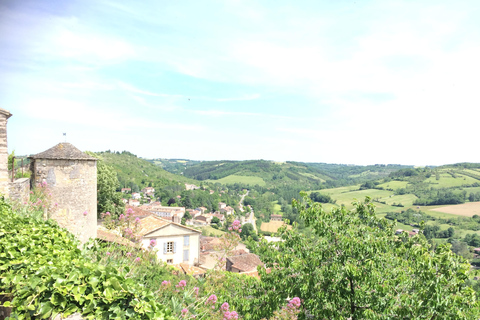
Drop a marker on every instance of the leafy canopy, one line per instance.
(356, 267)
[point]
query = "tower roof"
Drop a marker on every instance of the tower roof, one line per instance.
(63, 151)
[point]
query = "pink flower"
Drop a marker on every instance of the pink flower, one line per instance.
(229, 228)
(108, 253)
(239, 230)
(153, 243)
(294, 303)
(56, 204)
(85, 213)
(137, 220)
(181, 284)
(195, 289)
(225, 306)
(212, 299)
(184, 311)
(128, 254)
(121, 217)
(129, 211)
(230, 315)
(107, 213)
(165, 283)
(137, 259)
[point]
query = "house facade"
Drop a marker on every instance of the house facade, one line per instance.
(173, 242)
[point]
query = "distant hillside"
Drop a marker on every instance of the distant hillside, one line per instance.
(137, 173)
(270, 173)
(176, 166)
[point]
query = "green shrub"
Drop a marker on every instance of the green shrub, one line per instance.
(44, 273)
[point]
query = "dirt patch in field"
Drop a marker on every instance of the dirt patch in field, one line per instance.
(273, 226)
(467, 209)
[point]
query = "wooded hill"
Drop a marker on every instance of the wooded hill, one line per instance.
(270, 173)
(137, 173)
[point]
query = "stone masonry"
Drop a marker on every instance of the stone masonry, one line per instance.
(4, 185)
(71, 176)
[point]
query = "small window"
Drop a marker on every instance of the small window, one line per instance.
(186, 255)
(170, 261)
(169, 247)
(186, 241)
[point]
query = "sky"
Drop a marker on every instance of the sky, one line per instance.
(353, 82)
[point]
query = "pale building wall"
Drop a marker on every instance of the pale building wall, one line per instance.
(4, 179)
(172, 233)
(73, 184)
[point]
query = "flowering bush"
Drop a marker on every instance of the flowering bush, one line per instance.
(38, 205)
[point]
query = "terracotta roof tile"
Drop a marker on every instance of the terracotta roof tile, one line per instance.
(245, 262)
(112, 237)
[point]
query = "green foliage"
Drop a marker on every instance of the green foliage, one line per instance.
(323, 198)
(137, 173)
(108, 199)
(44, 274)
(356, 267)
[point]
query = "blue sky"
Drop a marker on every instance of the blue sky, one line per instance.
(355, 82)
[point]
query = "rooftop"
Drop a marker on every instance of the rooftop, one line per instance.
(63, 151)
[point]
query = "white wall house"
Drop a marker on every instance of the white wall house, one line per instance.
(174, 243)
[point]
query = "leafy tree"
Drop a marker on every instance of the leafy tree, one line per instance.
(108, 199)
(248, 231)
(357, 268)
(215, 220)
(472, 239)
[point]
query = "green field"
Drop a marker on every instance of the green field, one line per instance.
(277, 208)
(209, 230)
(231, 179)
(446, 180)
(393, 185)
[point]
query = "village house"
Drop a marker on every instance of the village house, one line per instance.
(148, 190)
(221, 205)
(212, 192)
(167, 212)
(136, 195)
(202, 209)
(173, 242)
(200, 220)
(126, 190)
(134, 203)
(191, 186)
(220, 217)
(243, 263)
(227, 210)
(276, 217)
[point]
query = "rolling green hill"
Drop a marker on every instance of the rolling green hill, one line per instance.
(276, 174)
(137, 173)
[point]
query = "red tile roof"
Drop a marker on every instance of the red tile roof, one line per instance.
(112, 237)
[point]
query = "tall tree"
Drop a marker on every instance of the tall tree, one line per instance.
(357, 268)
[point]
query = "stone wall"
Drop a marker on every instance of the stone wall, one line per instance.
(4, 115)
(19, 190)
(73, 185)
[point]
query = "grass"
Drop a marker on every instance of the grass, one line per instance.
(393, 185)
(215, 232)
(231, 179)
(446, 181)
(276, 207)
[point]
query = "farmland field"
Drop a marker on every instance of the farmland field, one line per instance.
(231, 179)
(446, 181)
(393, 185)
(272, 226)
(467, 209)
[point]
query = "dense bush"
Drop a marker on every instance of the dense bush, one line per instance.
(43, 273)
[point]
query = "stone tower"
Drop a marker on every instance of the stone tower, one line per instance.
(4, 184)
(71, 176)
